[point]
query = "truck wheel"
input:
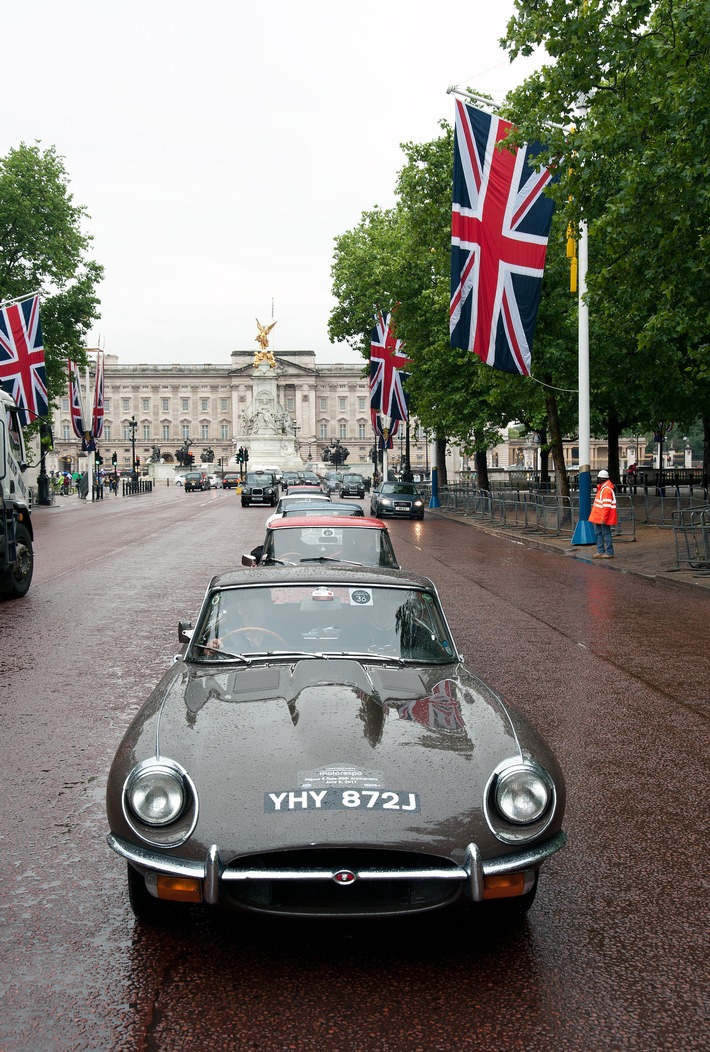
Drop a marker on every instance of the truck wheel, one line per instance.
(16, 582)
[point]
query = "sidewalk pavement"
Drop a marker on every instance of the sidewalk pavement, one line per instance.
(652, 555)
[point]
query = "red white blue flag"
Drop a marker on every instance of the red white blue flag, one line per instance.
(500, 224)
(387, 365)
(76, 402)
(98, 414)
(22, 369)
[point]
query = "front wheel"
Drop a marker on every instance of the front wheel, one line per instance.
(15, 583)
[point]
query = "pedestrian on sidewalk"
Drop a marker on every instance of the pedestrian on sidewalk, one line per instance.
(604, 515)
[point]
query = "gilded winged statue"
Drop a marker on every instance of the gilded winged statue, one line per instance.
(264, 355)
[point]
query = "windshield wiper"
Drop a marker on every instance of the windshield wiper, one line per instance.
(216, 654)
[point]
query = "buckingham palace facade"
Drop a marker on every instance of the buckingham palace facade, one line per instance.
(203, 404)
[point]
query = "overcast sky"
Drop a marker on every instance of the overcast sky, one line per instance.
(220, 147)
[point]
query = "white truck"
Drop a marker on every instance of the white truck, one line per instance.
(16, 534)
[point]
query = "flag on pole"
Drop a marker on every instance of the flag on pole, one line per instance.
(22, 370)
(387, 362)
(76, 401)
(500, 224)
(98, 414)
(377, 428)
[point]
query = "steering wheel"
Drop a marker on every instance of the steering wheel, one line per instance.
(255, 628)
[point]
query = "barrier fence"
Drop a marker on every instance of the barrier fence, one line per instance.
(691, 534)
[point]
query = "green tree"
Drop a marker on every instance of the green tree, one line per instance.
(44, 248)
(637, 163)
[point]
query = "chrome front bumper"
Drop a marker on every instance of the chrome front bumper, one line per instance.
(211, 872)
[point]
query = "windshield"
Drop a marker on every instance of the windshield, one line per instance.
(366, 547)
(400, 487)
(370, 621)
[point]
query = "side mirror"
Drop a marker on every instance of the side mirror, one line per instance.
(248, 560)
(184, 631)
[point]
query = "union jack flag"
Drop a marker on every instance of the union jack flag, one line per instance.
(499, 229)
(76, 402)
(386, 364)
(98, 414)
(377, 428)
(22, 370)
(440, 709)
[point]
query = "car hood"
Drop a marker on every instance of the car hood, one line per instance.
(261, 743)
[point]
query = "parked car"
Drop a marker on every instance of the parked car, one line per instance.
(259, 489)
(194, 480)
(352, 486)
(297, 539)
(231, 480)
(324, 752)
(400, 499)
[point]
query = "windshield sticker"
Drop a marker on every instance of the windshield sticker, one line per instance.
(340, 800)
(360, 597)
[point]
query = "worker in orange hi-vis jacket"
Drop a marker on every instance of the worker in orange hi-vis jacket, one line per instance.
(604, 515)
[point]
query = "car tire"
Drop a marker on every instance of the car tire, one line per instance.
(420, 517)
(148, 909)
(15, 583)
(245, 503)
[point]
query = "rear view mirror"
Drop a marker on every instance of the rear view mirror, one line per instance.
(184, 631)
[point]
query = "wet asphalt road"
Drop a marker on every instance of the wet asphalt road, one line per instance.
(612, 670)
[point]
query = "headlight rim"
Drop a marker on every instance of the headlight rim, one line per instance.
(178, 829)
(504, 828)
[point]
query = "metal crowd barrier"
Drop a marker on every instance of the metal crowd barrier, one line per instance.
(541, 512)
(691, 534)
(131, 487)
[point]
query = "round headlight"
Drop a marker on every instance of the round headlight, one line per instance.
(522, 795)
(156, 794)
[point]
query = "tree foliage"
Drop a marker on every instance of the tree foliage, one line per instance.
(624, 111)
(43, 247)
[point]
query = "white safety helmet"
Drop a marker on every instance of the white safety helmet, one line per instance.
(603, 474)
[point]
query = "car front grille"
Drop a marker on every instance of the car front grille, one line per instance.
(303, 883)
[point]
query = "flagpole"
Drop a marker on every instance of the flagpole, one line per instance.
(434, 501)
(19, 299)
(89, 454)
(584, 530)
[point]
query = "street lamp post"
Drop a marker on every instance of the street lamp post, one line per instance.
(133, 424)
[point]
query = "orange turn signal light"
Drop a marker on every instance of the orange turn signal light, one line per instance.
(504, 885)
(178, 889)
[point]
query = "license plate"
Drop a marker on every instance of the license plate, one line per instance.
(340, 800)
(401, 507)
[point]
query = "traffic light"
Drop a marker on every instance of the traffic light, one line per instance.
(246, 455)
(114, 459)
(138, 462)
(98, 459)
